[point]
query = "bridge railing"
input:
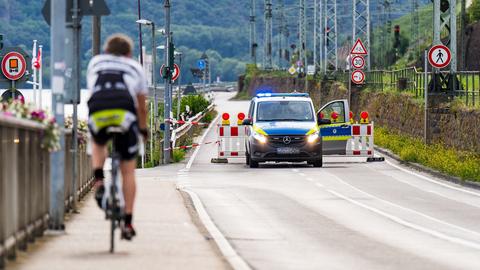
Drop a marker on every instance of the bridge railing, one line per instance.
(25, 183)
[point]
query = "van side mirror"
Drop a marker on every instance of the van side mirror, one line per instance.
(324, 122)
(247, 122)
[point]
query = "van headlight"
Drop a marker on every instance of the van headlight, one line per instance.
(260, 138)
(312, 138)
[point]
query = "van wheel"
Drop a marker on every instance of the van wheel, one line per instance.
(253, 164)
(316, 163)
(247, 158)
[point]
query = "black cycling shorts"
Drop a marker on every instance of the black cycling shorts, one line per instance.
(126, 144)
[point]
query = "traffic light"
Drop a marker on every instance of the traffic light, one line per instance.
(1, 41)
(396, 31)
(171, 56)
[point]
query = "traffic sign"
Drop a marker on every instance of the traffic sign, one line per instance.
(358, 62)
(292, 70)
(87, 7)
(14, 66)
(175, 74)
(201, 64)
(311, 69)
(359, 48)
(439, 56)
(358, 77)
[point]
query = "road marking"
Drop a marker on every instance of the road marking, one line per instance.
(319, 185)
(310, 179)
(409, 224)
(433, 181)
(302, 174)
(194, 155)
(295, 170)
(405, 208)
(226, 249)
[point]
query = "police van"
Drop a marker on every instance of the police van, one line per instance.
(283, 127)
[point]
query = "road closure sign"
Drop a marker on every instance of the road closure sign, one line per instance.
(439, 56)
(14, 66)
(358, 77)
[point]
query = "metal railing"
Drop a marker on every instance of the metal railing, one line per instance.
(25, 183)
(413, 81)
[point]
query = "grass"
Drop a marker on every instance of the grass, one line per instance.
(465, 165)
(178, 155)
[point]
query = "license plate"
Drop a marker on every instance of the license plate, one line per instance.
(288, 151)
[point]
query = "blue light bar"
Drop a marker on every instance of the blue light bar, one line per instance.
(262, 95)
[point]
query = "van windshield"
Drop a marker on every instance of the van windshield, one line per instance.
(284, 110)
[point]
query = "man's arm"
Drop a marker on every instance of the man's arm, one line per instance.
(142, 111)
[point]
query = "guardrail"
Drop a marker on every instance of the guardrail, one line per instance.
(25, 183)
(183, 129)
(413, 81)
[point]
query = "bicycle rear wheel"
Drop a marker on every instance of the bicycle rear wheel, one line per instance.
(112, 235)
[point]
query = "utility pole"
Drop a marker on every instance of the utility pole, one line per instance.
(445, 21)
(463, 25)
(140, 42)
(96, 34)
(268, 35)
(301, 31)
(361, 26)
(168, 80)
(331, 60)
(414, 24)
(57, 158)
(281, 33)
(315, 37)
(253, 33)
(322, 32)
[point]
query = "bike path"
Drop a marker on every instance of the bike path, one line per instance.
(167, 236)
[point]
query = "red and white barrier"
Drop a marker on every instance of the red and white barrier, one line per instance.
(361, 143)
(231, 139)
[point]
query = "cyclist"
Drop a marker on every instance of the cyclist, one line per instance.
(118, 90)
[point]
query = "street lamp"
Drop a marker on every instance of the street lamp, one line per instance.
(154, 63)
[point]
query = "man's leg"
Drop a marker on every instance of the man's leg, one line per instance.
(99, 154)
(129, 190)
(129, 187)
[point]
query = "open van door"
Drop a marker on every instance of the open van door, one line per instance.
(336, 134)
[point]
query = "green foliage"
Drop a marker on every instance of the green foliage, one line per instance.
(197, 103)
(465, 165)
(178, 155)
(474, 11)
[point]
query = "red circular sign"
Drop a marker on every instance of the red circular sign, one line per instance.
(14, 66)
(358, 62)
(439, 56)
(358, 77)
(176, 71)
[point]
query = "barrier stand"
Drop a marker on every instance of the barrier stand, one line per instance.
(231, 139)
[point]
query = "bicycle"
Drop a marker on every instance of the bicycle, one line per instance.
(113, 202)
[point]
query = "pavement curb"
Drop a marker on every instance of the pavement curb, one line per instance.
(230, 255)
(421, 168)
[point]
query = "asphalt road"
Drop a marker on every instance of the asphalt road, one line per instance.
(347, 215)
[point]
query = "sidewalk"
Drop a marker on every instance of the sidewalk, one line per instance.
(167, 237)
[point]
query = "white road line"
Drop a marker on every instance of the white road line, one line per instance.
(295, 170)
(302, 174)
(310, 179)
(226, 249)
(433, 181)
(194, 155)
(409, 224)
(405, 208)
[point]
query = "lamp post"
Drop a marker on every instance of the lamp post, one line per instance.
(154, 62)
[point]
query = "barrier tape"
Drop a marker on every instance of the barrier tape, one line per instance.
(184, 147)
(183, 122)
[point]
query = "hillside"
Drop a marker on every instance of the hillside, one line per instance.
(198, 25)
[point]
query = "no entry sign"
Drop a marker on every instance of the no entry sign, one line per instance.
(358, 62)
(439, 56)
(358, 77)
(14, 66)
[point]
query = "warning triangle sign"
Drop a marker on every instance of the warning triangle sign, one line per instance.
(359, 48)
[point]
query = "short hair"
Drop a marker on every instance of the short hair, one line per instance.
(119, 45)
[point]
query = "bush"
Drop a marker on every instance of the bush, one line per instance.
(178, 155)
(465, 165)
(197, 103)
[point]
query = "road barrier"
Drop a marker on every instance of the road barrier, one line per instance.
(25, 183)
(231, 139)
